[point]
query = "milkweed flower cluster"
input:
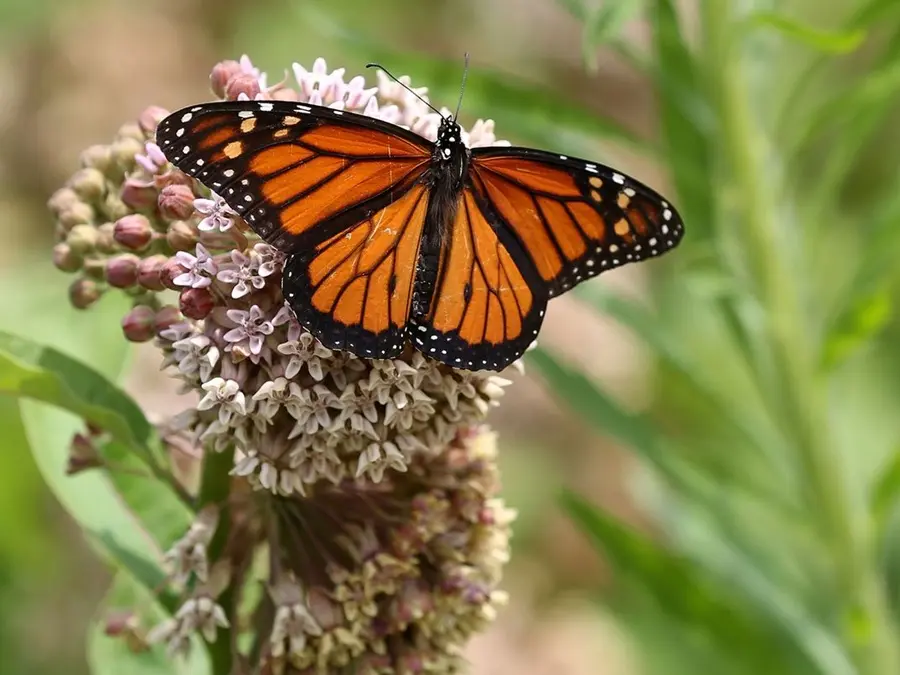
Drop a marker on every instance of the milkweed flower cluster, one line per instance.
(371, 485)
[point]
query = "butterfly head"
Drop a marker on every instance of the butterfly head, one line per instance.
(448, 146)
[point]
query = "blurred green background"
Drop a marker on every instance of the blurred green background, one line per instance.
(728, 416)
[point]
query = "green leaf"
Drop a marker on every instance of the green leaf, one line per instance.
(885, 492)
(832, 42)
(30, 370)
(856, 326)
(585, 398)
(732, 602)
(602, 25)
(112, 655)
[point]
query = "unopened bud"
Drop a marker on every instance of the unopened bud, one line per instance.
(63, 200)
(122, 271)
(83, 293)
(176, 202)
(64, 259)
(172, 177)
(242, 83)
(150, 118)
(78, 214)
(106, 242)
(221, 74)
(139, 195)
(137, 325)
(124, 150)
(114, 207)
(170, 269)
(182, 236)
(149, 274)
(83, 455)
(196, 303)
(166, 317)
(98, 157)
(83, 239)
(89, 184)
(131, 130)
(133, 232)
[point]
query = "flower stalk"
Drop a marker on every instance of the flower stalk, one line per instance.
(796, 391)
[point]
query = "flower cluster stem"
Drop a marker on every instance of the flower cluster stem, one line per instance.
(797, 391)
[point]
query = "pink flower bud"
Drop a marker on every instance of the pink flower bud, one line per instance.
(149, 273)
(65, 259)
(150, 118)
(182, 236)
(137, 325)
(139, 195)
(122, 271)
(172, 177)
(166, 317)
(83, 239)
(176, 202)
(169, 271)
(242, 83)
(221, 74)
(89, 184)
(133, 232)
(83, 293)
(196, 303)
(119, 622)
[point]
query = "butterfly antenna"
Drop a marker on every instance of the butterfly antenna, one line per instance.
(397, 80)
(462, 88)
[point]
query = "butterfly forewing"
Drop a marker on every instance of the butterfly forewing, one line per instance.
(573, 218)
(296, 173)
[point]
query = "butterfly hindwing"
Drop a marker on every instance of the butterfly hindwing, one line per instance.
(488, 303)
(574, 218)
(296, 173)
(355, 289)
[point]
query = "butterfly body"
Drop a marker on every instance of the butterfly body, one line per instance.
(392, 239)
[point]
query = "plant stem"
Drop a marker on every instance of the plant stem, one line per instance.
(796, 391)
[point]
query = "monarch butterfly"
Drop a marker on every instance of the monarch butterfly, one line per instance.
(391, 238)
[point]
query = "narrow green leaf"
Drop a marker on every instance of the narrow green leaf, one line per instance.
(30, 370)
(832, 42)
(584, 397)
(885, 492)
(733, 603)
(604, 24)
(112, 655)
(856, 327)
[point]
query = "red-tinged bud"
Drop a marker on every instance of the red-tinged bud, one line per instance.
(182, 236)
(139, 195)
(166, 317)
(176, 202)
(83, 455)
(83, 293)
(172, 177)
(150, 118)
(137, 325)
(65, 259)
(133, 232)
(122, 271)
(169, 271)
(89, 184)
(119, 622)
(221, 74)
(83, 239)
(150, 272)
(242, 83)
(196, 303)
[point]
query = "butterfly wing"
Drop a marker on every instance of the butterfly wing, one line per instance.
(339, 193)
(574, 219)
(488, 301)
(297, 173)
